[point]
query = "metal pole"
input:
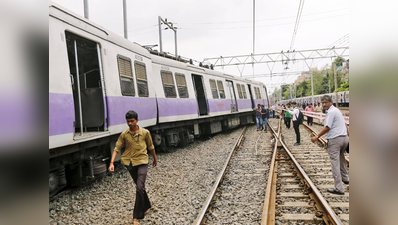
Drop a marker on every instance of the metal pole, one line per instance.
(335, 84)
(175, 40)
(86, 9)
(160, 34)
(254, 24)
(329, 86)
(312, 88)
(125, 19)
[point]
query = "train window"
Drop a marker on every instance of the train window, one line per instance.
(168, 84)
(182, 85)
(259, 93)
(239, 90)
(126, 76)
(142, 82)
(213, 88)
(221, 89)
(244, 91)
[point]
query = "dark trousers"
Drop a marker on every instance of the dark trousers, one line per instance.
(287, 121)
(297, 130)
(142, 203)
(309, 120)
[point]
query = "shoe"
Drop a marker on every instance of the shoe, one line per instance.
(266, 131)
(333, 191)
(295, 144)
(257, 129)
(346, 182)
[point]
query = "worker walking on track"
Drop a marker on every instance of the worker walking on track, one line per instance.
(336, 132)
(136, 141)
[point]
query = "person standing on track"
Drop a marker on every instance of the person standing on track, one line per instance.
(336, 132)
(318, 109)
(295, 112)
(287, 116)
(273, 111)
(136, 141)
(259, 118)
(265, 115)
(310, 119)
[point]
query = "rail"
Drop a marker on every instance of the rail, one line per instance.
(210, 197)
(329, 215)
(268, 216)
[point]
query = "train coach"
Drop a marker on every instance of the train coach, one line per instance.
(343, 101)
(96, 76)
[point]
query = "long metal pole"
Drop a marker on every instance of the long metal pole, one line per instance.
(86, 9)
(312, 88)
(125, 19)
(335, 84)
(160, 34)
(175, 40)
(254, 32)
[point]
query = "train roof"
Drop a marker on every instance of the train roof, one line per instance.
(74, 19)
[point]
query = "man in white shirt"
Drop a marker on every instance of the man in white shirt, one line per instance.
(336, 132)
(295, 113)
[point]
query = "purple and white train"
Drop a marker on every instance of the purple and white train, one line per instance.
(343, 99)
(96, 76)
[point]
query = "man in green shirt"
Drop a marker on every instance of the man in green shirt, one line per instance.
(136, 141)
(288, 116)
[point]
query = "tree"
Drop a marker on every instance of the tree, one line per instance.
(344, 87)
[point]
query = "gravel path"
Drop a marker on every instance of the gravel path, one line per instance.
(242, 192)
(177, 188)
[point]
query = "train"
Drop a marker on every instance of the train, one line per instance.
(342, 101)
(96, 76)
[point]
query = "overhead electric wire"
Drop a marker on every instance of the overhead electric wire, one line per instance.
(300, 10)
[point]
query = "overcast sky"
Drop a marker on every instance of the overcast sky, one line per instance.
(225, 28)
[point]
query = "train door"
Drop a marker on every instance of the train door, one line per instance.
(200, 94)
(251, 96)
(87, 85)
(234, 105)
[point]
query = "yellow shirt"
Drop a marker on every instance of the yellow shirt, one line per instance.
(136, 146)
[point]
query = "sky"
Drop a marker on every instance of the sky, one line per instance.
(207, 29)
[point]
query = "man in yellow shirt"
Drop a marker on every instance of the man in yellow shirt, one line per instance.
(136, 141)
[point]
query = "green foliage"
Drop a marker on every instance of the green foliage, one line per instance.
(323, 81)
(344, 87)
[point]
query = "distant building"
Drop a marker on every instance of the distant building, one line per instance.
(305, 76)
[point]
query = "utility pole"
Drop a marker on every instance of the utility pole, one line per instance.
(329, 86)
(125, 19)
(335, 83)
(312, 88)
(85, 9)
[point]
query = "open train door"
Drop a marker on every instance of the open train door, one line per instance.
(234, 105)
(87, 85)
(200, 94)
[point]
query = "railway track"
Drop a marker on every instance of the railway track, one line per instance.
(296, 191)
(237, 195)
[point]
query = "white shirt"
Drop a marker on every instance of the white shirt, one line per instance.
(294, 113)
(335, 121)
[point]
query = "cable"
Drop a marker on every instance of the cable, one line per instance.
(300, 10)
